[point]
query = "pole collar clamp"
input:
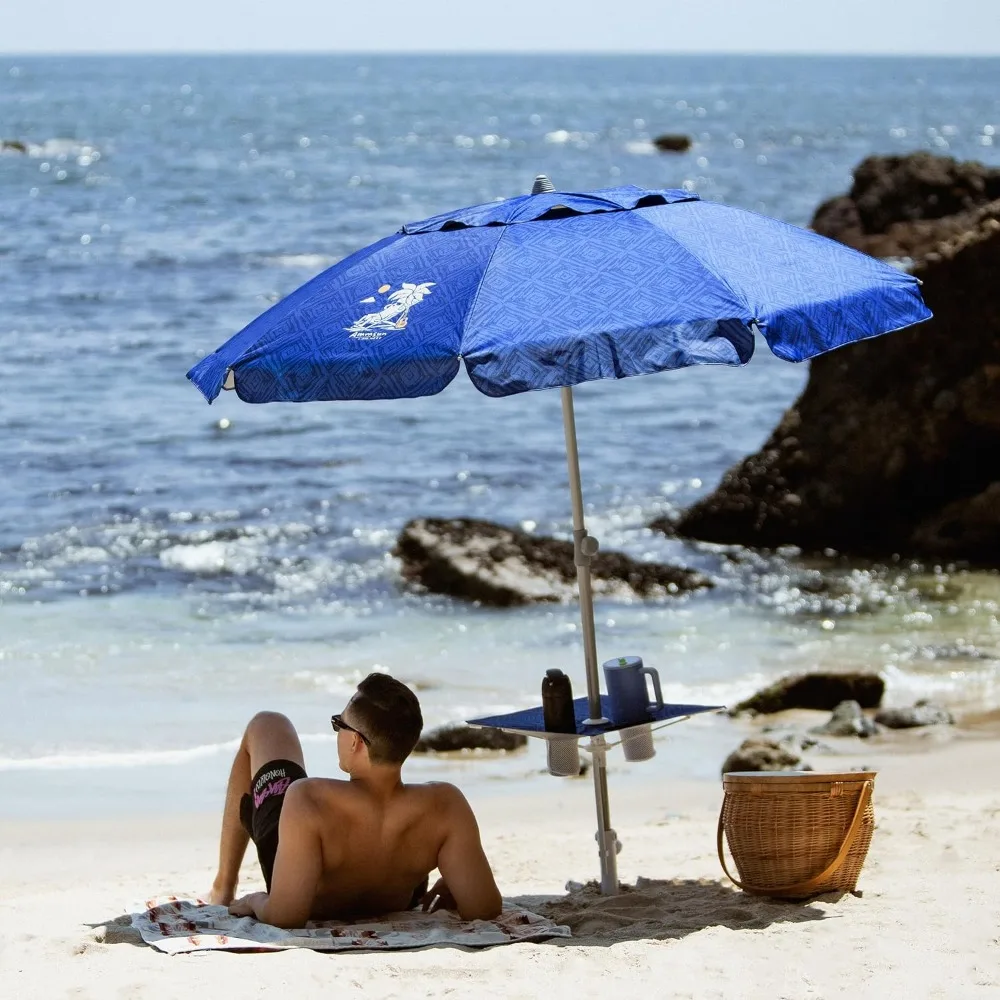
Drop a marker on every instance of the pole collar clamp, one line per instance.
(585, 547)
(610, 842)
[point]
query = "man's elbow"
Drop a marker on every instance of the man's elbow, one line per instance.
(286, 918)
(484, 909)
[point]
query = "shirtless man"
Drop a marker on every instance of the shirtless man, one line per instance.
(330, 848)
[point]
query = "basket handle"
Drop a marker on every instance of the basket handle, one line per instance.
(810, 883)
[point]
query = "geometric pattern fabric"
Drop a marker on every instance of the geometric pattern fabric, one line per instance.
(556, 289)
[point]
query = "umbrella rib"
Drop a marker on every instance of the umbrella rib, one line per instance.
(479, 287)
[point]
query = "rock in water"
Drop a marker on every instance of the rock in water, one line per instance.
(459, 736)
(763, 755)
(894, 445)
(923, 713)
(821, 691)
(486, 562)
(672, 143)
(848, 720)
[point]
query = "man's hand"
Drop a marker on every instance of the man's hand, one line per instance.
(248, 906)
(438, 897)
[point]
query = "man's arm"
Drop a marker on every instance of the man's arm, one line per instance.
(297, 865)
(463, 863)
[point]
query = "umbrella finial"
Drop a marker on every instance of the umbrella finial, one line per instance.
(542, 185)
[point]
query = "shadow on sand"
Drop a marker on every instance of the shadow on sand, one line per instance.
(663, 910)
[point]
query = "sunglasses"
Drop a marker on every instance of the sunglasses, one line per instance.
(337, 721)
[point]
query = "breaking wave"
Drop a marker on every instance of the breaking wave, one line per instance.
(255, 563)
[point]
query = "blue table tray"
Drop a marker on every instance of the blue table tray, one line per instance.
(529, 721)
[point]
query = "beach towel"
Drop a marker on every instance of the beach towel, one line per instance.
(174, 925)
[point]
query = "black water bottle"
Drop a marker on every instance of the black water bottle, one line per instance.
(557, 702)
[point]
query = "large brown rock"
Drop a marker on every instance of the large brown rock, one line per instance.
(902, 206)
(821, 690)
(487, 562)
(894, 445)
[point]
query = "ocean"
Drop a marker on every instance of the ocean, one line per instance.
(168, 568)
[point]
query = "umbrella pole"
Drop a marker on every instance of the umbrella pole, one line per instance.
(584, 549)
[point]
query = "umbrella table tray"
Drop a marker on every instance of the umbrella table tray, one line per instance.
(529, 722)
(563, 758)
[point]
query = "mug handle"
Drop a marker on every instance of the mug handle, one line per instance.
(655, 677)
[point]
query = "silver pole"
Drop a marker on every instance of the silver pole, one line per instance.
(584, 549)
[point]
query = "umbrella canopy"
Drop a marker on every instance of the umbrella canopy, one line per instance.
(555, 289)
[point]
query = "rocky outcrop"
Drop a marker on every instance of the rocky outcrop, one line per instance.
(923, 713)
(459, 736)
(894, 445)
(500, 566)
(821, 691)
(763, 755)
(848, 720)
(903, 206)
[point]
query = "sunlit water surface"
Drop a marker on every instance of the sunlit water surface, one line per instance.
(167, 568)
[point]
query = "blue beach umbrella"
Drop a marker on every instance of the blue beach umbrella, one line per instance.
(556, 288)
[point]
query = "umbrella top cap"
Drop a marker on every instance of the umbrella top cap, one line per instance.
(547, 205)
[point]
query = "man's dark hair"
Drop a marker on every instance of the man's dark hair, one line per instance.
(388, 713)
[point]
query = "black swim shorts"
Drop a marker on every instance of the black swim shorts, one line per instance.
(261, 809)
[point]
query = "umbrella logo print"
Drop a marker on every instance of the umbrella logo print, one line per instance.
(394, 315)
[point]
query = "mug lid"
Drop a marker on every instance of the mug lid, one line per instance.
(622, 661)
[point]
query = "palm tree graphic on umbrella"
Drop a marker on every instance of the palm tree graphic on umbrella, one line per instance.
(393, 315)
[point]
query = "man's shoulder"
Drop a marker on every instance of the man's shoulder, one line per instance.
(314, 786)
(309, 794)
(441, 793)
(444, 801)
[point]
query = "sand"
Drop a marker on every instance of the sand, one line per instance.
(926, 925)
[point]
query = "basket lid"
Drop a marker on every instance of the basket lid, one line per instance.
(815, 779)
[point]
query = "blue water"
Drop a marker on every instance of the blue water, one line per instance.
(166, 568)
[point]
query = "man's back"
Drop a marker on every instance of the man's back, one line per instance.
(330, 849)
(374, 851)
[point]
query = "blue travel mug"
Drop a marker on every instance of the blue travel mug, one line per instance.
(625, 678)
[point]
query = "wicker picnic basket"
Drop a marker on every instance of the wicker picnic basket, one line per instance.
(796, 834)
